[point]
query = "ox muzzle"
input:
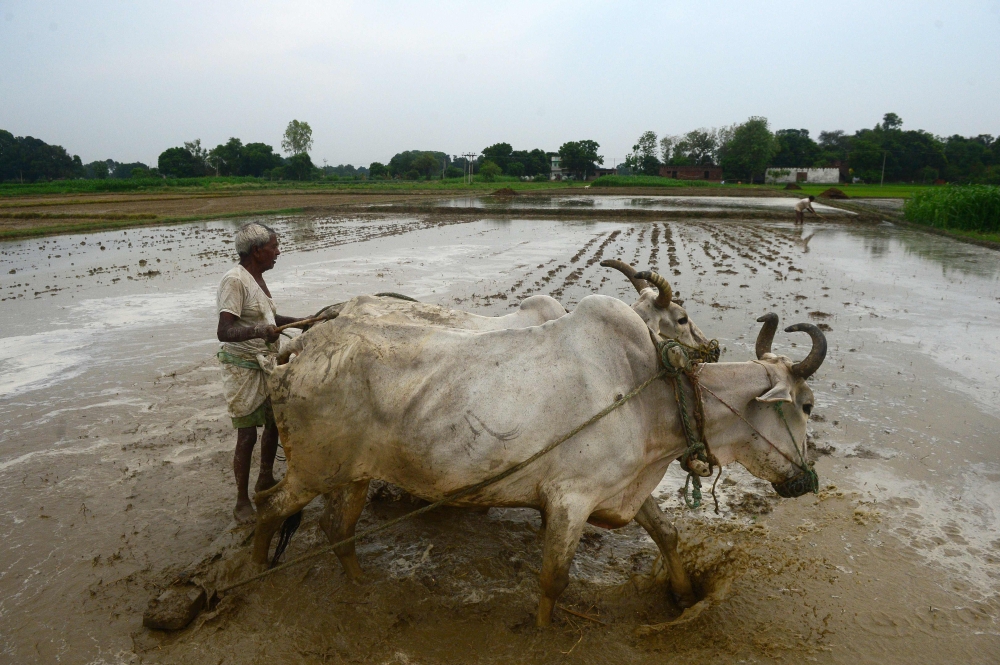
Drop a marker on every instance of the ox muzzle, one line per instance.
(803, 483)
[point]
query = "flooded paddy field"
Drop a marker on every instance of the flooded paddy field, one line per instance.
(611, 202)
(115, 453)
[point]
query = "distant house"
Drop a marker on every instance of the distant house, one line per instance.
(602, 171)
(819, 176)
(709, 173)
(556, 172)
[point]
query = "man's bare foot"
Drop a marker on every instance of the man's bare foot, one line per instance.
(243, 513)
(264, 483)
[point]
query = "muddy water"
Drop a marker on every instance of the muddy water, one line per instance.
(604, 202)
(114, 454)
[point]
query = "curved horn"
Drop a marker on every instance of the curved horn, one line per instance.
(628, 271)
(808, 367)
(766, 334)
(665, 294)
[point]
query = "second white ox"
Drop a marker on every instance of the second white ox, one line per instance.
(435, 410)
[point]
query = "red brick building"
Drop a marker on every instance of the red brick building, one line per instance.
(709, 173)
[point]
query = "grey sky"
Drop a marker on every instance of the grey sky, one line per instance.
(128, 80)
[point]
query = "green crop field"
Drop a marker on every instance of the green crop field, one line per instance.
(969, 209)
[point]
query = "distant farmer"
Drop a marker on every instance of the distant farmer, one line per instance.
(248, 323)
(801, 207)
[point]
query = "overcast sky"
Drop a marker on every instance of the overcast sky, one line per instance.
(128, 80)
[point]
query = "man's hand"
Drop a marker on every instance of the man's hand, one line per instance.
(267, 333)
(228, 331)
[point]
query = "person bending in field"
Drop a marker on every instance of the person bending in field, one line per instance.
(248, 331)
(801, 207)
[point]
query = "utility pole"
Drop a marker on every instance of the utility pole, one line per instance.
(472, 164)
(882, 181)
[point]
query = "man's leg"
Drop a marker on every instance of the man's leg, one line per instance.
(268, 449)
(246, 439)
(799, 217)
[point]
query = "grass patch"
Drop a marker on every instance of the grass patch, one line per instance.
(965, 208)
(648, 181)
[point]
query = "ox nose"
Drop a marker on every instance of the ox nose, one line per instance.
(803, 483)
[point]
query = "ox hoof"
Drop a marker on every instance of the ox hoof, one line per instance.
(244, 514)
(684, 600)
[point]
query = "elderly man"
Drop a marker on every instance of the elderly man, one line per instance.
(248, 321)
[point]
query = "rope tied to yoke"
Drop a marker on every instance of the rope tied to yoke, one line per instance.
(681, 360)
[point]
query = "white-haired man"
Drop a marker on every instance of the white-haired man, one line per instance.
(248, 321)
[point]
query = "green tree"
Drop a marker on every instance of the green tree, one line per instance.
(299, 167)
(377, 170)
(535, 162)
(500, 154)
(795, 149)
(180, 163)
(643, 158)
(698, 147)
(402, 162)
(489, 171)
(426, 164)
(256, 158)
(453, 172)
(226, 158)
(198, 152)
(298, 138)
(580, 157)
(27, 159)
(891, 122)
(101, 170)
(749, 151)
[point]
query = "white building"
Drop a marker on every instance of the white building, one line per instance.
(557, 172)
(821, 176)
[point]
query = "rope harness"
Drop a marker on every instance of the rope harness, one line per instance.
(680, 360)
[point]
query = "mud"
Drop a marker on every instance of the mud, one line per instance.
(115, 454)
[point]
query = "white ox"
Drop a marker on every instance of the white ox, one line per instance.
(435, 410)
(656, 305)
(664, 316)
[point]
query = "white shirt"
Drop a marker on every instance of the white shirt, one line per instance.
(801, 206)
(240, 295)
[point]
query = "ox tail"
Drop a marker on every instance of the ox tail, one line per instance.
(288, 529)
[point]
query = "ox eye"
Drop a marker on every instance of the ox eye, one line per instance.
(807, 408)
(682, 321)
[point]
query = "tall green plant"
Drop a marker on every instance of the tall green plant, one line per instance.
(965, 208)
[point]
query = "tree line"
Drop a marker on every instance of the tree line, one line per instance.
(746, 150)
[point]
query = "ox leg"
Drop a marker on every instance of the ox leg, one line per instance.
(563, 528)
(273, 506)
(343, 509)
(664, 534)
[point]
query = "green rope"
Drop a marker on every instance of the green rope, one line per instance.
(696, 446)
(230, 359)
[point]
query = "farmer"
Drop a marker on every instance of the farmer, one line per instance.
(248, 331)
(801, 207)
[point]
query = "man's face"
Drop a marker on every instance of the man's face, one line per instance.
(268, 254)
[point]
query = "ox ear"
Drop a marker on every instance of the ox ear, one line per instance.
(779, 393)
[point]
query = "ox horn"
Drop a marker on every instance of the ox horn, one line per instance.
(817, 354)
(766, 334)
(665, 294)
(628, 271)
